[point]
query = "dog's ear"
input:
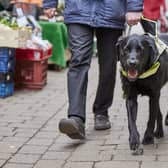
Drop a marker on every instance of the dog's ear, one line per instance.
(119, 46)
(153, 51)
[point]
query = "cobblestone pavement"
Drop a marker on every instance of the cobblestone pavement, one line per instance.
(29, 136)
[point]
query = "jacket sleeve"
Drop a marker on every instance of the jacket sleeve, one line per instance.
(134, 5)
(50, 3)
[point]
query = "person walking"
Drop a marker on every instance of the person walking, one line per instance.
(156, 10)
(152, 9)
(84, 19)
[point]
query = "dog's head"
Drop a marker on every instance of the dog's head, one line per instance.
(136, 54)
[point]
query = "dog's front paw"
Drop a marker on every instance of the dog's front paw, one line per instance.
(159, 133)
(134, 141)
(166, 120)
(147, 140)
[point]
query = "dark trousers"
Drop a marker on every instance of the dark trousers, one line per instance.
(81, 46)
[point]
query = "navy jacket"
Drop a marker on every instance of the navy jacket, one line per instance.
(97, 13)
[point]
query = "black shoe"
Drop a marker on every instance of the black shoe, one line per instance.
(73, 127)
(166, 120)
(102, 122)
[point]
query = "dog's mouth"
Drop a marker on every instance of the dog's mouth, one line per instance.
(132, 74)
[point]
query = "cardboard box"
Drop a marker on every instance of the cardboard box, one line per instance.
(14, 38)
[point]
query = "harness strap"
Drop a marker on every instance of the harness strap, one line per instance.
(161, 46)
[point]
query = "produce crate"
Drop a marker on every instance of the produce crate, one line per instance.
(7, 52)
(31, 74)
(7, 64)
(14, 38)
(33, 54)
(6, 89)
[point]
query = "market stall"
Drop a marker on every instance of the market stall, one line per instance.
(23, 53)
(56, 34)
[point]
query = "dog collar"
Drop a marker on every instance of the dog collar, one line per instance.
(151, 71)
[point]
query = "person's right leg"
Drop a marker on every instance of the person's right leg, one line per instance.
(81, 46)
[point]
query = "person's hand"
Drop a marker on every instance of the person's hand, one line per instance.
(50, 12)
(133, 18)
(14, 1)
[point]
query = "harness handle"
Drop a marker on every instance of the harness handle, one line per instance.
(149, 26)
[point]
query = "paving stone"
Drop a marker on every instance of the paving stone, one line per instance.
(15, 139)
(79, 164)
(32, 149)
(162, 146)
(126, 157)
(9, 147)
(63, 147)
(2, 162)
(46, 135)
(12, 108)
(49, 164)
(40, 142)
(115, 164)
(24, 159)
(5, 156)
(88, 147)
(27, 126)
(6, 131)
(115, 141)
(63, 139)
(25, 132)
(92, 156)
(56, 155)
(85, 156)
(163, 158)
(12, 165)
(154, 164)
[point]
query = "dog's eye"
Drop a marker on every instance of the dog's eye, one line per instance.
(126, 50)
(139, 48)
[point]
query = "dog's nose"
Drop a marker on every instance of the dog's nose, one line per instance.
(132, 62)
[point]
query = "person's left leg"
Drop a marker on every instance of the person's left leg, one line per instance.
(107, 57)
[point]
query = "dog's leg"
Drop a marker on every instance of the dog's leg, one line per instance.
(153, 113)
(159, 127)
(166, 120)
(134, 141)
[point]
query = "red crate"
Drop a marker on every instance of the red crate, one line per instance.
(31, 74)
(32, 54)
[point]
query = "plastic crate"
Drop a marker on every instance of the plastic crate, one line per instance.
(31, 74)
(6, 89)
(7, 77)
(7, 52)
(7, 64)
(33, 54)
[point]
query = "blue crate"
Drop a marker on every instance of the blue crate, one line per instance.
(7, 52)
(7, 64)
(6, 77)
(6, 89)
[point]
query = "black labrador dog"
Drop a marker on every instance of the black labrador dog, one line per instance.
(143, 72)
